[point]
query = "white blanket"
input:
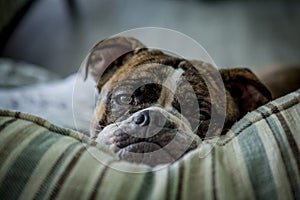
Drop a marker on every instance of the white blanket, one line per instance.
(68, 102)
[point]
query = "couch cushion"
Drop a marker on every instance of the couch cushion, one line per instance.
(258, 158)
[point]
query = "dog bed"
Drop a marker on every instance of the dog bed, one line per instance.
(258, 159)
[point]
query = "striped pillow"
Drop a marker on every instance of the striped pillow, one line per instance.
(258, 158)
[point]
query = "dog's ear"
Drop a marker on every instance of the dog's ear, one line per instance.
(246, 88)
(106, 53)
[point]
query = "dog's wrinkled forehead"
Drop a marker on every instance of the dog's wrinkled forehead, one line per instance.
(147, 74)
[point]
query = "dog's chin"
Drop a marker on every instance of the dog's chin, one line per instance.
(145, 152)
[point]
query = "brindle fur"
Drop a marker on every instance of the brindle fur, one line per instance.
(129, 62)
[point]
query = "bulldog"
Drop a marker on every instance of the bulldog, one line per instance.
(153, 107)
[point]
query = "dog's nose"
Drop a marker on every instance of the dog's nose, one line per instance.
(142, 119)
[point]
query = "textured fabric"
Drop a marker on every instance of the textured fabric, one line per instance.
(60, 101)
(18, 74)
(258, 159)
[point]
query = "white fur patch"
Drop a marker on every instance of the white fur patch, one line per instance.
(170, 84)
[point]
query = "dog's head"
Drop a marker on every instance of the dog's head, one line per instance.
(153, 107)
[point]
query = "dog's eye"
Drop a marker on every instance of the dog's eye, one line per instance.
(124, 99)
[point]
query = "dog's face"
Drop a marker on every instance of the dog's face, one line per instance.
(154, 107)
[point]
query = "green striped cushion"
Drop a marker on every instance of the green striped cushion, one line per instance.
(258, 159)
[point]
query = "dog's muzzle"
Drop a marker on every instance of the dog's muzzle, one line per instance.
(150, 136)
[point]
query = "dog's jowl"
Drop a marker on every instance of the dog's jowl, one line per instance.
(153, 108)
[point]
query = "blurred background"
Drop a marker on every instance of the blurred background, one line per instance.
(44, 41)
(57, 34)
